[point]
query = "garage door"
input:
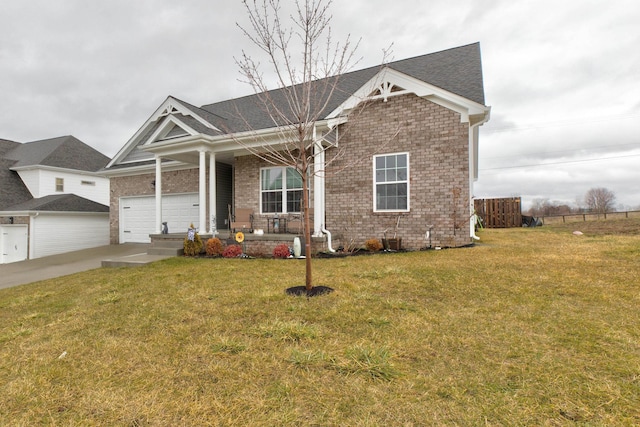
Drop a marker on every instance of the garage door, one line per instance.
(138, 215)
(55, 233)
(13, 243)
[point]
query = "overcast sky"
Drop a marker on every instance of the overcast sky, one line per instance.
(562, 78)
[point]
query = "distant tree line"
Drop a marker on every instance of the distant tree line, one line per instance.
(597, 200)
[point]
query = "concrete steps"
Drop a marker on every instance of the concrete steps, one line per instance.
(162, 246)
(133, 260)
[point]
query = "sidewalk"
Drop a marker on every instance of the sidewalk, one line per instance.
(33, 270)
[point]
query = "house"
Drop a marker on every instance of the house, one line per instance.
(184, 165)
(52, 200)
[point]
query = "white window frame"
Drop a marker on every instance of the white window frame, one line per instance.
(59, 185)
(406, 181)
(284, 190)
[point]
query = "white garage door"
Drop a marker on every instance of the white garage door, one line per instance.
(59, 233)
(138, 215)
(13, 243)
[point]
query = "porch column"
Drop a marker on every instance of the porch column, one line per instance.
(212, 194)
(318, 190)
(158, 227)
(202, 200)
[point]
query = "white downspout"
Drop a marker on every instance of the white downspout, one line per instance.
(473, 166)
(319, 200)
(328, 233)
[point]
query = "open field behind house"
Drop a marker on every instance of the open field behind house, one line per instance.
(529, 327)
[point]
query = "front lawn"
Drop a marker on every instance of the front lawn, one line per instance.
(529, 327)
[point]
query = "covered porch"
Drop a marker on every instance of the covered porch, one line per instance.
(208, 153)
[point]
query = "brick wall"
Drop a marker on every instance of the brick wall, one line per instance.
(437, 144)
(247, 187)
(180, 181)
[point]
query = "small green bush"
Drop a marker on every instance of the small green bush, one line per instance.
(214, 247)
(373, 245)
(232, 251)
(193, 247)
(281, 251)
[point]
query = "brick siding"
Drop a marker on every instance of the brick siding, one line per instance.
(437, 144)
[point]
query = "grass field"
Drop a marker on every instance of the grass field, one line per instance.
(530, 327)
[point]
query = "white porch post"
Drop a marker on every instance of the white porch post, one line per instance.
(212, 194)
(202, 226)
(318, 190)
(158, 226)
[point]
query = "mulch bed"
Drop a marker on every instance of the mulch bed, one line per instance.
(301, 291)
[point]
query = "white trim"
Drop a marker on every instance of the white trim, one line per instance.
(202, 191)
(169, 106)
(408, 182)
(284, 190)
(388, 77)
(167, 126)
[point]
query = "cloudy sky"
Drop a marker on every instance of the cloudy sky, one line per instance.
(562, 78)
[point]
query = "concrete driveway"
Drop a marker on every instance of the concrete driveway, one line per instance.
(33, 270)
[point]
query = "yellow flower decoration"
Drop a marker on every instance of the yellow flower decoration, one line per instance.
(239, 237)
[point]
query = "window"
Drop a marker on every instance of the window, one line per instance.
(59, 185)
(391, 182)
(280, 190)
(92, 183)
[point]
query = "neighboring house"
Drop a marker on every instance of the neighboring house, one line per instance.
(183, 165)
(52, 200)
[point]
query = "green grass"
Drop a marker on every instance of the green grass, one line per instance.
(529, 327)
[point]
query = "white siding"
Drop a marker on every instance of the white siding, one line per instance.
(59, 233)
(42, 182)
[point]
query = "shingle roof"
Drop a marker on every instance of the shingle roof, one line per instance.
(59, 203)
(457, 70)
(12, 189)
(64, 152)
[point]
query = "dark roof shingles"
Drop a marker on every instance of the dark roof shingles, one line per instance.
(65, 152)
(457, 70)
(59, 203)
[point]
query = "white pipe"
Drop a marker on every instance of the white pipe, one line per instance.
(328, 233)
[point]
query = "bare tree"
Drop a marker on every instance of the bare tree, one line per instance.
(307, 65)
(600, 200)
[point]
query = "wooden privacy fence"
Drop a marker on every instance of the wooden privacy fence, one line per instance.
(499, 213)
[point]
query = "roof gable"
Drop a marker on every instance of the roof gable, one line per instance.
(173, 119)
(457, 71)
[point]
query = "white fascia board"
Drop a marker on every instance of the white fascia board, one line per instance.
(409, 84)
(55, 169)
(145, 169)
(166, 127)
(168, 105)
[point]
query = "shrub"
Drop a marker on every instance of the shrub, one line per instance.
(232, 251)
(192, 247)
(214, 247)
(281, 251)
(373, 245)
